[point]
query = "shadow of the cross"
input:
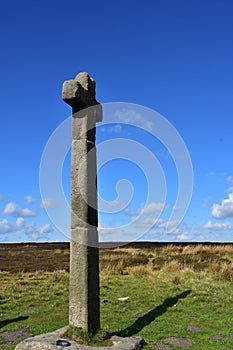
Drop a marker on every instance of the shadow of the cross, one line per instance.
(8, 321)
(149, 317)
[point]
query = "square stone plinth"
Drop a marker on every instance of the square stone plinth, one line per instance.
(49, 341)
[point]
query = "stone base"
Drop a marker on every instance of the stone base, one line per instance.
(49, 342)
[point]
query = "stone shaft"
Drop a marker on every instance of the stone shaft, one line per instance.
(84, 255)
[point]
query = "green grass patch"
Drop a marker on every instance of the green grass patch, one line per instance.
(100, 338)
(158, 308)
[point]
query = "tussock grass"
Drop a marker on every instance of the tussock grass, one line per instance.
(217, 260)
(139, 270)
(118, 260)
(172, 265)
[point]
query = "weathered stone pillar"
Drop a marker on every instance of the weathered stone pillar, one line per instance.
(84, 255)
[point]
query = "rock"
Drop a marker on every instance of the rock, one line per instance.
(48, 342)
(128, 307)
(14, 336)
(216, 337)
(181, 342)
(160, 346)
(193, 329)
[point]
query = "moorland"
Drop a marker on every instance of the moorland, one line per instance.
(175, 296)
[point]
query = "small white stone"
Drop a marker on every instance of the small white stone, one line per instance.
(123, 298)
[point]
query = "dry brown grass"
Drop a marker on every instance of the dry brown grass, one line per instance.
(219, 249)
(217, 260)
(119, 259)
(140, 270)
(172, 265)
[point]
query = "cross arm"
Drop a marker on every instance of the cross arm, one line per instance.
(80, 94)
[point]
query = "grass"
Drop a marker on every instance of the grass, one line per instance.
(100, 338)
(167, 292)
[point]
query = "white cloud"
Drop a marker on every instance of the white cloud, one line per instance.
(229, 189)
(41, 232)
(218, 227)
(7, 227)
(19, 223)
(152, 235)
(29, 199)
(149, 222)
(29, 229)
(171, 226)
(156, 223)
(117, 128)
(48, 203)
(196, 235)
(185, 236)
(115, 234)
(104, 230)
(230, 179)
(153, 207)
(12, 209)
(225, 209)
(176, 208)
(131, 117)
(113, 204)
(129, 212)
(47, 228)
(113, 128)
(4, 226)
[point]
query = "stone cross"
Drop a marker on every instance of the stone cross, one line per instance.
(84, 254)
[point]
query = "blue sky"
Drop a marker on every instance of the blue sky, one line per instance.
(173, 57)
